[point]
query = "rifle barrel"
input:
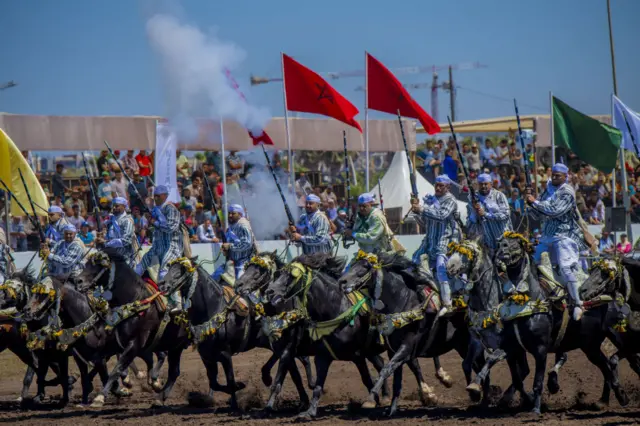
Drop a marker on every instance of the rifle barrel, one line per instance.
(412, 175)
(526, 160)
(275, 178)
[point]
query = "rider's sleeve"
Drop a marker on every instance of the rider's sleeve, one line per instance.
(126, 240)
(69, 258)
(556, 207)
(471, 215)
(172, 224)
(321, 227)
(243, 242)
(372, 235)
(443, 212)
(503, 213)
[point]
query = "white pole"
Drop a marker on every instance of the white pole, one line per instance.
(286, 128)
(366, 118)
(553, 142)
(225, 200)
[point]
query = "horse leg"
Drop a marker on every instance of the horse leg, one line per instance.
(610, 375)
(322, 368)
(441, 374)
(266, 369)
(397, 389)
(285, 358)
(427, 396)
(297, 380)
(378, 364)
(129, 353)
(552, 377)
(514, 361)
(174, 372)
(227, 365)
(41, 375)
(474, 351)
(26, 383)
(538, 381)
(85, 379)
(153, 371)
(365, 376)
(308, 371)
(400, 357)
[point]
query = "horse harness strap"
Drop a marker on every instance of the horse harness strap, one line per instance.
(563, 329)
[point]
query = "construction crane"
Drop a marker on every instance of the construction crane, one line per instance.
(446, 85)
(8, 85)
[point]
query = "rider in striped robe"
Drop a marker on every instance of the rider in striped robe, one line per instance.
(438, 216)
(239, 246)
(312, 230)
(120, 231)
(53, 231)
(167, 239)
(64, 258)
(561, 233)
(5, 260)
(490, 217)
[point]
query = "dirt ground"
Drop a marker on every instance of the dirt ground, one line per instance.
(581, 384)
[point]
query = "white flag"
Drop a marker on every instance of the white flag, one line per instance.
(165, 167)
(620, 112)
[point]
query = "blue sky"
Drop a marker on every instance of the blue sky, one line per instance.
(73, 57)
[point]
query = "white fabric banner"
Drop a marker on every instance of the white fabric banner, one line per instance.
(622, 115)
(165, 167)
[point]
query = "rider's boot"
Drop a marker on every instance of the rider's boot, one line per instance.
(574, 292)
(445, 297)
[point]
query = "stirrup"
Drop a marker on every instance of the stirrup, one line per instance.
(577, 313)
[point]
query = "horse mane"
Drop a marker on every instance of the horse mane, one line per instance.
(114, 254)
(27, 275)
(273, 256)
(394, 261)
(324, 262)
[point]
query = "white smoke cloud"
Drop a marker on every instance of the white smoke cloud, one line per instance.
(194, 65)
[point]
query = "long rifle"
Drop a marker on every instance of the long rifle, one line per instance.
(35, 216)
(380, 196)
(527, 175)
(412, 174)
(33, 221)
(96, 204)
(474, 196)
(347, 242)
(215, 207)
(292, 222)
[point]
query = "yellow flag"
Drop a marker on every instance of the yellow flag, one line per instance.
(11, 160)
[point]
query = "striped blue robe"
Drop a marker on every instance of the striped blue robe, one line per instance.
(438, 216)
(167, 240)
(65, 257)
(4, 262)
(122, 236)
(315, 230)
(240, 238)
(556, 208)
(495, 222)
(54, 232)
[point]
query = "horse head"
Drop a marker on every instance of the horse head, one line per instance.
(512, 249)
(360, 272)
(258, 273)
(14, 292)
(463, 258)
(607, 276)
(97, 265)
(41, 299)
(181, 271)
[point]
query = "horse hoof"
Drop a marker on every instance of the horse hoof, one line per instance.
(141, 375)
(81, 406)
(156, 385)
(266, 379)
(444, 377)
(430, 399)
(158, 403)
(123, 393)
(536, 411)
(240, 386)
(622, 398)
(369, 404)
(475, 392)
(386, 400)
(126, 382)
(304, 417)
(552, 383)
(19, 399)
(98, 401)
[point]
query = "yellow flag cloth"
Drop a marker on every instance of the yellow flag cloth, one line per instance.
(11, 160)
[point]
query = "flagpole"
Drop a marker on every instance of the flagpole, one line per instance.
(286, 127)
(623, 172)
(225, 200)
(553, 143)
(614, 201)
(366, 118)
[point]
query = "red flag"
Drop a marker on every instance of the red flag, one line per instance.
(306, 91)
(385, 93)
(264, 137)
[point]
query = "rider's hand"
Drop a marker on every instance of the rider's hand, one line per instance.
(226, 246)
(348, 233)
(530, 199)
(292, 229)
(215, 240)
(296, 237)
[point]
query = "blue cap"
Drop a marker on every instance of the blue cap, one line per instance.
(560, 168)
(236, 208)
(484, 178)
(365, 198)
(313, 198)
(161, 189)
(85, 224)
(121, 200)
(69, 228)
(55, 209)
(443, 179)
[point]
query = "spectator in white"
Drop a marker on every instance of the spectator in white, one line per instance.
(597, 211)
(330, 195)
(473, 158)
(488, 155)
(57, 183)
(120, 185)
(106, 189)
(502, 152)
(75, 199)
(182, 166)
(113, 166)
(605, 243)
(18, 234)
(235, 163)
(205, 232)
(130, 162)
(75, 219)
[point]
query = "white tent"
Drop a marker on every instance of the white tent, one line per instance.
(396, 186)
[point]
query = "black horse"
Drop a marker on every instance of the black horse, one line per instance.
(409, 324)
(219, 325)
(543, 328)
(334, 327)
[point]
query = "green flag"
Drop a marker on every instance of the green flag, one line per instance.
(593, 142)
